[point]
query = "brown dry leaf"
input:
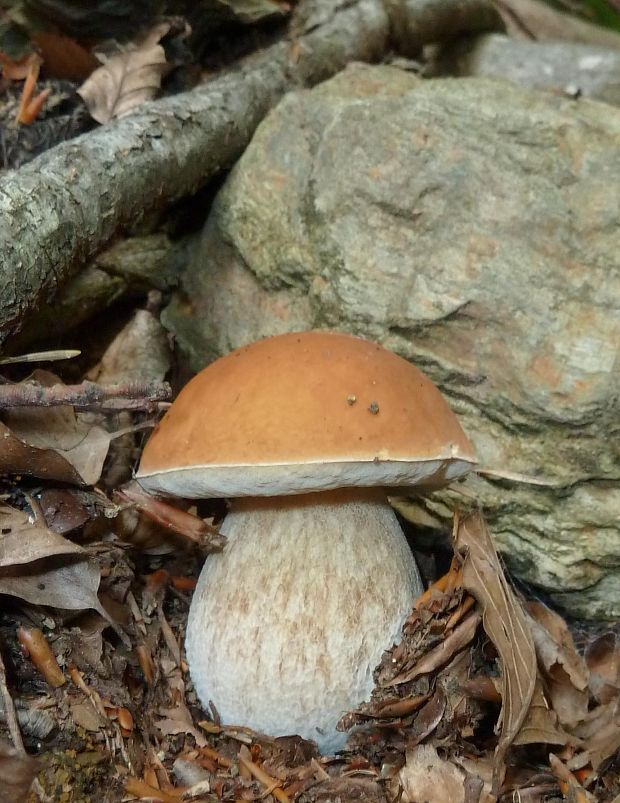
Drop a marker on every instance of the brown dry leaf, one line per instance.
(179, 720)
(428, 777)
(505, 623)
(17, 772)
(564, 670)
(603, 660)
(85, 716)
(43, 568)
(441, 655)
(600, 732)
(126, 80)
(52, 443)
(541, 723)
(63, 57)
(66, 509)
(429, 716)
(141, 350)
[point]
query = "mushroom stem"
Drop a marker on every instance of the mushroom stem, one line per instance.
(288, 623)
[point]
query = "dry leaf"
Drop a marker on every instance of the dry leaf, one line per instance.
(600, 732)
(85, 716)
(43, 568)
(452, 644)
(427, 719)
(141, 350)
(427, 777)
(179, 720)
(126, 80)
(541, 723)
(63, 57)
(559, 647)
(603, 660)
(65, 509)
(52, 443)
(506, 625)
(564, 670)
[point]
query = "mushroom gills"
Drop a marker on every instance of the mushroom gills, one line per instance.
(287, 624)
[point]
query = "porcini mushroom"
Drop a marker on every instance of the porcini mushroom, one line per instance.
(304, 432)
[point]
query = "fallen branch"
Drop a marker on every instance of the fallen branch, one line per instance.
(129, 396)
(62, 208)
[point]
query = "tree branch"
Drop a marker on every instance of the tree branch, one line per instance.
(87, 395)
(59, 210)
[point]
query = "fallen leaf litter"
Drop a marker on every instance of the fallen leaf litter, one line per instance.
(121, 706)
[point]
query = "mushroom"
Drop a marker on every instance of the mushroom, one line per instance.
(305, 433)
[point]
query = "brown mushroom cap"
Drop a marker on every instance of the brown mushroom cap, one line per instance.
(305, 412)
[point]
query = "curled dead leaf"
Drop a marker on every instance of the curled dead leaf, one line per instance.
(564, 670)
(603, 660)
(126, 79)
(426, 776)
(43, 568)
(505, 622)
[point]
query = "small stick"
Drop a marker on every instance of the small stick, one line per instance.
(126, 396)
(172, 518)
(567, 781)
(209, 752)
(9, 711)
(41, 356)
(142, 790)
(272, 784)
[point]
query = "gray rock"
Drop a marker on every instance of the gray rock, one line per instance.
(569, 67)
(471, 226)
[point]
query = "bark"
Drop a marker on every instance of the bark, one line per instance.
(62, 208)
(129, 268)
(59, 210)
(88, 395)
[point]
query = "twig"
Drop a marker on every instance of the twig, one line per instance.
(273, 784)
(127, 396)
(205, 535)
(41, 356)
(567, 781)
(141, 790)
(9, 711)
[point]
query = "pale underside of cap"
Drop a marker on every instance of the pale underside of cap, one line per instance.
(201, 482)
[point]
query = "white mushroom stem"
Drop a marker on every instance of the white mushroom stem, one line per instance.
(288, 623)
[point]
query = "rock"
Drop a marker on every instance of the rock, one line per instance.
(570, 67)
(471, 226)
